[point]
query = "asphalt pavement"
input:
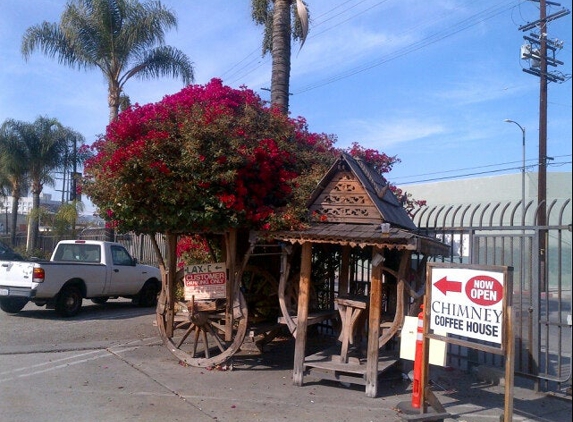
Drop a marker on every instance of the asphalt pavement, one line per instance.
(140, 380)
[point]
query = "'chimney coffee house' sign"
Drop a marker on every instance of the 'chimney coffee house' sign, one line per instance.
(468, 303)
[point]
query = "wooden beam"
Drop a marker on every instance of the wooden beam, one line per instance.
(302, 313)
(344, 271)
(374, 328)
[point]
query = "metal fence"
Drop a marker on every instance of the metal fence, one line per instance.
(507, 234)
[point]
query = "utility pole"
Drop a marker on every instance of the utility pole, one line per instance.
(536, 51)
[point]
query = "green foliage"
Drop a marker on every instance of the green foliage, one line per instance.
(35, 253)
(122, 38)
(63, 222)
(262, 12)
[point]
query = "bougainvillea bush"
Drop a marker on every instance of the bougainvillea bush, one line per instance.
(210, 158)
(207, 158)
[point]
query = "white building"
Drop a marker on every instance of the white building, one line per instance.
(490, 189)
(25, 204)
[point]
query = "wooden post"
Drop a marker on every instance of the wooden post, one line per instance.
(509, 340)
(374, 328)
(344, 271)
(232, 282)
(302, 313)
(170, 283)
(285, 272)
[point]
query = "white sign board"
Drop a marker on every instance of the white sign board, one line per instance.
(205, 281)
(408, 336)
(468, 303)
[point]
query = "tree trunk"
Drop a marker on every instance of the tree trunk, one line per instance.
(14, 219)
(281, 55)
(33, 223)
(113, 99)
(168, 284)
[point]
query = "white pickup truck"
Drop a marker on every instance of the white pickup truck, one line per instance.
(77, 270)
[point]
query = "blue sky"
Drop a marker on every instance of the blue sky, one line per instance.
(428, 82)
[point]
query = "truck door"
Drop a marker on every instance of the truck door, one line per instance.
(125, 276)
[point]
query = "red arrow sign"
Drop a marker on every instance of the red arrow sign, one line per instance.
(445, 286)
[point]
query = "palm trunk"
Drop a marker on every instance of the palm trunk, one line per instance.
(33, 223)
(113, 99)
(281, 55)
(14, 219)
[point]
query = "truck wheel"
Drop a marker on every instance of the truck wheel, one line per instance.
(13, 305)
(69, 301)
(147, 296)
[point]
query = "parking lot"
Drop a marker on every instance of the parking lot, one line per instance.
(109, 364)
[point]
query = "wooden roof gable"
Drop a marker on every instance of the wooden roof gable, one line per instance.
(352, 192)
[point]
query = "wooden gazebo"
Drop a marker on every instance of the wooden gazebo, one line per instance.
(353, 208)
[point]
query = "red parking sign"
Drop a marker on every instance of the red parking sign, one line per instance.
(205, 281)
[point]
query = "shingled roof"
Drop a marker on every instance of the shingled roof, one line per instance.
(349, 206)
(352, 192)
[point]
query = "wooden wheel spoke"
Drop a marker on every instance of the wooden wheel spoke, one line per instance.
(205, 344)
(218, 326)
(196, 340)
(181, 325)
(185, 335)
(216, 338)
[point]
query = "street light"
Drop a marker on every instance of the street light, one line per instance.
(522, 169)
(522, 239)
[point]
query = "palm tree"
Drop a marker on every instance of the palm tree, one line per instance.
(275, 15)
(123, 38)
(31, 152)
(47, 143)
(4, 181)
(65, 219)
(14, 165)
(4, 193)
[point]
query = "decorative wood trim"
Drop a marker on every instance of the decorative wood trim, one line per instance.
(344, 199)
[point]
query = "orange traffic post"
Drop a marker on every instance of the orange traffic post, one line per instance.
(416, 384)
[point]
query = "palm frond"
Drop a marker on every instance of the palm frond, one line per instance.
(162, 61)
(302, 13)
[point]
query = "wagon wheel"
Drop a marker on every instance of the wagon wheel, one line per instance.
(201, 335)
(288, 296)
(396, 299)
(260, 289)
(291, 294)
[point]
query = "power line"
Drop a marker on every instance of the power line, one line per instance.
(434, 38)
(347, 19)
(468, 22)
(266, 60)
(468, 171)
